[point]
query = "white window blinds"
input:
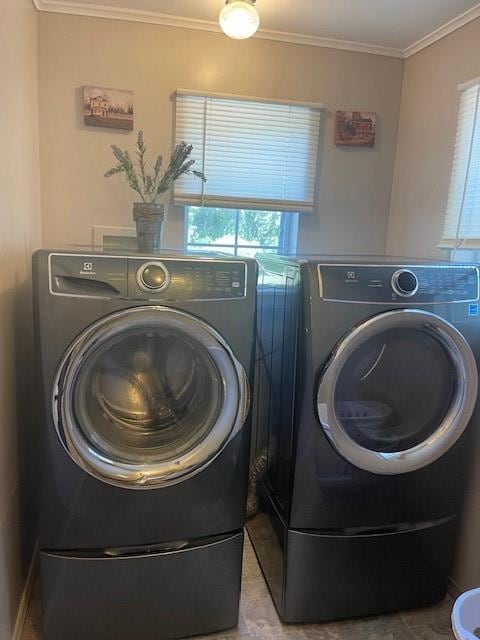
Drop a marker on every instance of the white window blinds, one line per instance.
(255, 154)
(462, 220)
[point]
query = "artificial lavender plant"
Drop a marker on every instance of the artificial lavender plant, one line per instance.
(150, 187)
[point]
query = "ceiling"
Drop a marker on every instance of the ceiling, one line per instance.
(388, 27)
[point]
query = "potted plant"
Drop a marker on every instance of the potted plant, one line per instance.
(149, 214)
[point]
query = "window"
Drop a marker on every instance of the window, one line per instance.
(240, 231)
(462, 220)
(260, 158)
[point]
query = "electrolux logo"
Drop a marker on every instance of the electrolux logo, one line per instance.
(88, 269)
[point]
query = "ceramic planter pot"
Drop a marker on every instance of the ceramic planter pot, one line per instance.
(149, 218)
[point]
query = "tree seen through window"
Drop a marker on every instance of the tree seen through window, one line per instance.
(238, 231)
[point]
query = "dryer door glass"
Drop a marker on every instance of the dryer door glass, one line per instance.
(148, 397)
(395, 389)
(398, 391)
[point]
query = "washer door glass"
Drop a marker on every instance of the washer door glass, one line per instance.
(398, 391)
(148, 397)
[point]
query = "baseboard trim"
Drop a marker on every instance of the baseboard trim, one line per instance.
(25, 599)
(453, 589)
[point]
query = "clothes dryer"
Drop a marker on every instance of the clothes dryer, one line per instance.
(365, 388)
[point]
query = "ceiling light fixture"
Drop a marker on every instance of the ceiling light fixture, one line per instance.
(239, 19)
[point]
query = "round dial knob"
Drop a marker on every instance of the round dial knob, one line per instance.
(153, 276)
(405, 283)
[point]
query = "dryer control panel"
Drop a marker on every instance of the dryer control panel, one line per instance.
(162, 278)
(405, 284)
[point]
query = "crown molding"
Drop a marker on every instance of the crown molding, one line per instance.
(330, 43)
(130, 15)
(152, 17)
(444, 30)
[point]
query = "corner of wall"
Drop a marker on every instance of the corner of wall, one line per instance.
(387, 247)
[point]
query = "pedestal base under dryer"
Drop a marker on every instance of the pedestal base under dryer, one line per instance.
(316, 578)
(154, 596)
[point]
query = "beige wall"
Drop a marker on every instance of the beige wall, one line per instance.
(19, 234)
(154, 61)
(426, 138)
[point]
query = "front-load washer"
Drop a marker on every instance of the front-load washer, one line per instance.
(365, 387)
(144, 364)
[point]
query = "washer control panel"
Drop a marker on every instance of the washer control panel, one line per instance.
(415, 284)
(183, 279)
(165, 278)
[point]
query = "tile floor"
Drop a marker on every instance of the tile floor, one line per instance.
(258, 618)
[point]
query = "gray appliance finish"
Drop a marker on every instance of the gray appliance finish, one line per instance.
(365, 386)
(145, 364)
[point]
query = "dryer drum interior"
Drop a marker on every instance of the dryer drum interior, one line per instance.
(148, 396)
(398, 392)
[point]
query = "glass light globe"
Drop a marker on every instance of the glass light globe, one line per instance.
(239, 19)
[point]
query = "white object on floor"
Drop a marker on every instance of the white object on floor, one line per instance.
(466, 616)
